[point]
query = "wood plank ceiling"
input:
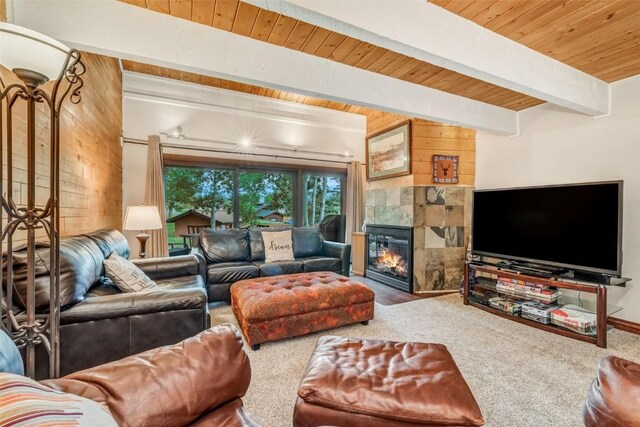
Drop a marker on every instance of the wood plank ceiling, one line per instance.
(374, 117)
(599, 37)
(271, 27)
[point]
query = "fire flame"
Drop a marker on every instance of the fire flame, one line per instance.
(392, 262)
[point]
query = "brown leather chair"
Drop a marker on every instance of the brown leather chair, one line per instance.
(614, 398)
(197, 382)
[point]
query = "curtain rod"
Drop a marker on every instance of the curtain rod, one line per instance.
(265, 147)
(213, 150)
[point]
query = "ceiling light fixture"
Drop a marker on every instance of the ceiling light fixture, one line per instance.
(177, 133)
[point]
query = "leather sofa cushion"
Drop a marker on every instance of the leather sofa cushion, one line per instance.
(256, 244)
(321, 263)
(183, 282)
(279, 267)
(132, 304)
(146, 390)
(614, 398)
(166, 268)
(80, 267)
(307, 241)
(230, 272)
(109, 240)
(405, 382)
(225, 245)
(104, 286)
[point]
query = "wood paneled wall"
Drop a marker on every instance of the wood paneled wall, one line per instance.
(428, 138)
(3, 10)
(90, 152)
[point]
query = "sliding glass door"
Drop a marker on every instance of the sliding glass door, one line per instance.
(322, 196)
(196, 198)
(226, 197)
(265, 199)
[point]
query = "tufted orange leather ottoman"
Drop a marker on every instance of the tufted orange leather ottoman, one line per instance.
(273, 308)
(374, 383)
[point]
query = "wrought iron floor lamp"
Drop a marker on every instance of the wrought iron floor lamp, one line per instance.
(34, 59)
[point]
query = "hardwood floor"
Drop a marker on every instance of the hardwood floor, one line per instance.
(387, 295)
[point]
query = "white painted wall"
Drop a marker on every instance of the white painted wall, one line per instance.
(153, 105)
(557, 146)
(134, 174)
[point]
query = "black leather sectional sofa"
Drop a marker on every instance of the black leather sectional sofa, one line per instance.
(237, 254)
(99, 323)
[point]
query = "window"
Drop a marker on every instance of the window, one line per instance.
(322, 196)
(227, 197)
(265, 199)
(196, 198)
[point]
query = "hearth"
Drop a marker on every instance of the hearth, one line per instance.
(389, 256)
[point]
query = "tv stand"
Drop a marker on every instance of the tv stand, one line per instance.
(510, 270)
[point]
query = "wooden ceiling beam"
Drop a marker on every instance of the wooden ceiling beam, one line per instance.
(424, 31)
(105, 28)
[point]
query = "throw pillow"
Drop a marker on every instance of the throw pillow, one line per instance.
(278, 246)
(25, 402)
(126, 275)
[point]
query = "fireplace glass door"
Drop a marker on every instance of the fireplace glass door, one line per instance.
(389, 256)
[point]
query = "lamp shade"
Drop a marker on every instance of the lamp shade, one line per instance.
(142, 218)
(22, 48)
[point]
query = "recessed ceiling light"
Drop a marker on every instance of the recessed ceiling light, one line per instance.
(245, 142)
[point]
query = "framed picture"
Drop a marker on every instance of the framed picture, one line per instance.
(389, 152)
(445, 169)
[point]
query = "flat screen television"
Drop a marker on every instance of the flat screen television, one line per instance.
(575, 226)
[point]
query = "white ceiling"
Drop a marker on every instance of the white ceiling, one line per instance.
(153, 105)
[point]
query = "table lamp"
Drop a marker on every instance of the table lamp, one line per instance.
(142, 218)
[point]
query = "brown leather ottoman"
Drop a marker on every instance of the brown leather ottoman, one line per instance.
(614, 398)
(373, 383)
(273, 308)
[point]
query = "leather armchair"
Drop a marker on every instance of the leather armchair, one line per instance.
(197, 382)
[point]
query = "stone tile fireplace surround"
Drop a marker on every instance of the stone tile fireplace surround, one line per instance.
(441, 217)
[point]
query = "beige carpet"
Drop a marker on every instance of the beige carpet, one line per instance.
(520, 376)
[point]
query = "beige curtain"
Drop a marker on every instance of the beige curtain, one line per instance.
(157, 246)
(355, 199)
